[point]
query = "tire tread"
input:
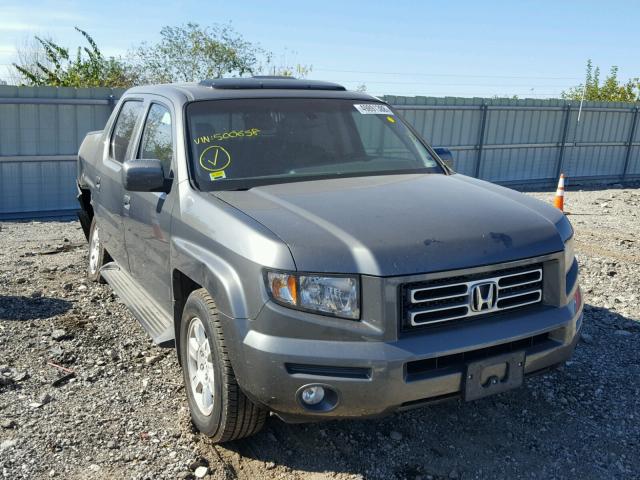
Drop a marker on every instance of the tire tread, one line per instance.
(242, 417)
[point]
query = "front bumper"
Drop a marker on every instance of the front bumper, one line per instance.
(373, 378)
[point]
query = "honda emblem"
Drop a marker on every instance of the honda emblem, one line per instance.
(483, 296)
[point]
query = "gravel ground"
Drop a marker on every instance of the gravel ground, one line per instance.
(85, 394)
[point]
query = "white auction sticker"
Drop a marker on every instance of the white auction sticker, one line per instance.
(373, 109)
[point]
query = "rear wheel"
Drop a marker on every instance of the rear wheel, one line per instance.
(98, 256)
(219, 408)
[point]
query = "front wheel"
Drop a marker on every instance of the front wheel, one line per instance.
(219, 408)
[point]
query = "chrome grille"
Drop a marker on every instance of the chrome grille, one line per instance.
(455, 298)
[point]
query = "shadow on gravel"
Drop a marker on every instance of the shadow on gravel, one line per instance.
(600, 317)
(31, 308)
(573, 422)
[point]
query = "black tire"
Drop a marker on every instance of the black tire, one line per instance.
(102, 257)
(233, 415)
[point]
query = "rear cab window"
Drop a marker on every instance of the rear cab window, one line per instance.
(123, 130)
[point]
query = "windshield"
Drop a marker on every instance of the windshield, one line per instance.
(238, 144)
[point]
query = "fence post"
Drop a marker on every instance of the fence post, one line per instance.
(112, 101)
(483, 122)
(563, 139)
(632, 133)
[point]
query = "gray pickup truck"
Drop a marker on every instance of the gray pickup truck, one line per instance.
(310, 255)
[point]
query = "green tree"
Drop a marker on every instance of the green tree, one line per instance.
(611, 90)
(89, 68)
(191, 52)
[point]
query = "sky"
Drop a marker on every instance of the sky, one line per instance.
(485, 48)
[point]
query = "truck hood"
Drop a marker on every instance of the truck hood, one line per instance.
(402, 224)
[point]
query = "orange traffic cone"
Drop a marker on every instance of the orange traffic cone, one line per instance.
(558, 200)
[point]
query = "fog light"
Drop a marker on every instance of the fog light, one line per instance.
(313, 395)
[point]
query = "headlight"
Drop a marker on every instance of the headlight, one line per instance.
(331, 295)
(569, 254)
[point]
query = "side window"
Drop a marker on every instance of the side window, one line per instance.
(157, 138)
(123, 130)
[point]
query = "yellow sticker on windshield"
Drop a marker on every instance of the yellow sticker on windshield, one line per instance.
(217, 175)
(215, 159)
(391, 119)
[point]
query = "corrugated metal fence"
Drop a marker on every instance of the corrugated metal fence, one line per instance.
(524, 142)
(516, 142)
(41, 129)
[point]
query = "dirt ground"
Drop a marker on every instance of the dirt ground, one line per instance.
(85, 394)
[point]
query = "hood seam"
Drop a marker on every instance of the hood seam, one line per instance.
(260, 223)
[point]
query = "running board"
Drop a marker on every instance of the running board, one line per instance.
(153, 318)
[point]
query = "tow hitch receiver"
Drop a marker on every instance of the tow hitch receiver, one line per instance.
(494, 375)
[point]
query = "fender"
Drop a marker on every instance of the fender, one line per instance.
(224, 250)
(214, 274)
(239, 295)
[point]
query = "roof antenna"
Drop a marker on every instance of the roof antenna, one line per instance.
(584, 88)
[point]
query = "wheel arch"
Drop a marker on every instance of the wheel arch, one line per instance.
(182, 285)
(85, 213)
(214, 275)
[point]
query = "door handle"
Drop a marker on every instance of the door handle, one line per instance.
(127, 201)
(97, 183)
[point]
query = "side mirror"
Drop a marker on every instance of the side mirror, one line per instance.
(445, 156)
(143, 176)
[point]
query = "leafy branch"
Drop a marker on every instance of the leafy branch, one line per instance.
(611, 90)
(89, 68)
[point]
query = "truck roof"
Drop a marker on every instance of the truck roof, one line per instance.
(250, 87)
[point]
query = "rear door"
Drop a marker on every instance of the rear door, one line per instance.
(148, 214)
(109, 192)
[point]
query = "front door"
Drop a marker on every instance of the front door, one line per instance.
(148, 214)
(108, 191)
